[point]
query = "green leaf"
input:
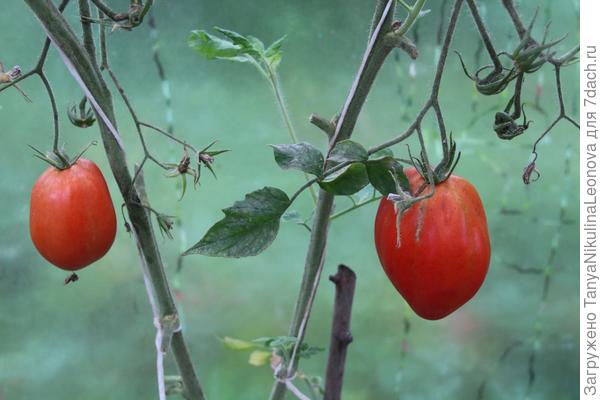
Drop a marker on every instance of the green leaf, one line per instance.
(285, 345)
(282, 341)
(237, 344)
(248, 45)
(302, 156)
(213, 47)
(382, 154)
(274, 53)
(381, 174)
(237, 47)
(346, 181)
(249, 226)
(307, 351)
(347, 150)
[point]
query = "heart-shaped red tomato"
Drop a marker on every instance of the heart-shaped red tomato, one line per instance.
(444, 250)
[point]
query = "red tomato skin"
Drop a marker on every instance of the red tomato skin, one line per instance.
(440, 265)
(72, 220)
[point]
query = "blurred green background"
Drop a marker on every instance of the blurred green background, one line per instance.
(95, 340)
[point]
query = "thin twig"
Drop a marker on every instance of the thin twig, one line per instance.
(39, 70)
(515, 17)
(39, 66)
(52, 99)
(285, 114)
(354, 207)
(561, 115)
(485, 37)
(168, 135)
(109, 12)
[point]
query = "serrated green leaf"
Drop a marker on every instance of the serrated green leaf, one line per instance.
(302, 156)
(249, 226)
(213, 47)
(235, 37)
(275, 47)
(346, 181)
(273, 54)
(248, 45)
(348, 150)
(381, 174)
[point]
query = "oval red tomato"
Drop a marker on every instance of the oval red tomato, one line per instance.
(72, 220)
(444, 250)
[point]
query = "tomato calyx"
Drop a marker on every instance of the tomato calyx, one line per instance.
(404, 200)
(442, 171)
(58, 157)
(530, 56)
(181, 169)
(80, 116)
(204, 158)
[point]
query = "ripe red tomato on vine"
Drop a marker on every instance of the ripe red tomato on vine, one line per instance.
(72, 220)
(443, 253)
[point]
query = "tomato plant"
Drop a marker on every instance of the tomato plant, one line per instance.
(72, 220)
(441, 257)
(444, 252)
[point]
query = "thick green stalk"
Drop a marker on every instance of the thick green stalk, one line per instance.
(375, 56)
(65, 39)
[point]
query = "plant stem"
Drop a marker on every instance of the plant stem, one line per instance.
(354, 207)
(52, 99)
(108, 11)
(485, 37)
(88, 37)
(374, 57)
(516, 18)
(73, 52)
(411, 18)
(274, 81)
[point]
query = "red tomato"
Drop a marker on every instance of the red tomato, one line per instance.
(444, 250)
(72, 219)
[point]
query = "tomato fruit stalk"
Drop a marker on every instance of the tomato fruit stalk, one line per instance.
(72, 220)
(444, 251)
